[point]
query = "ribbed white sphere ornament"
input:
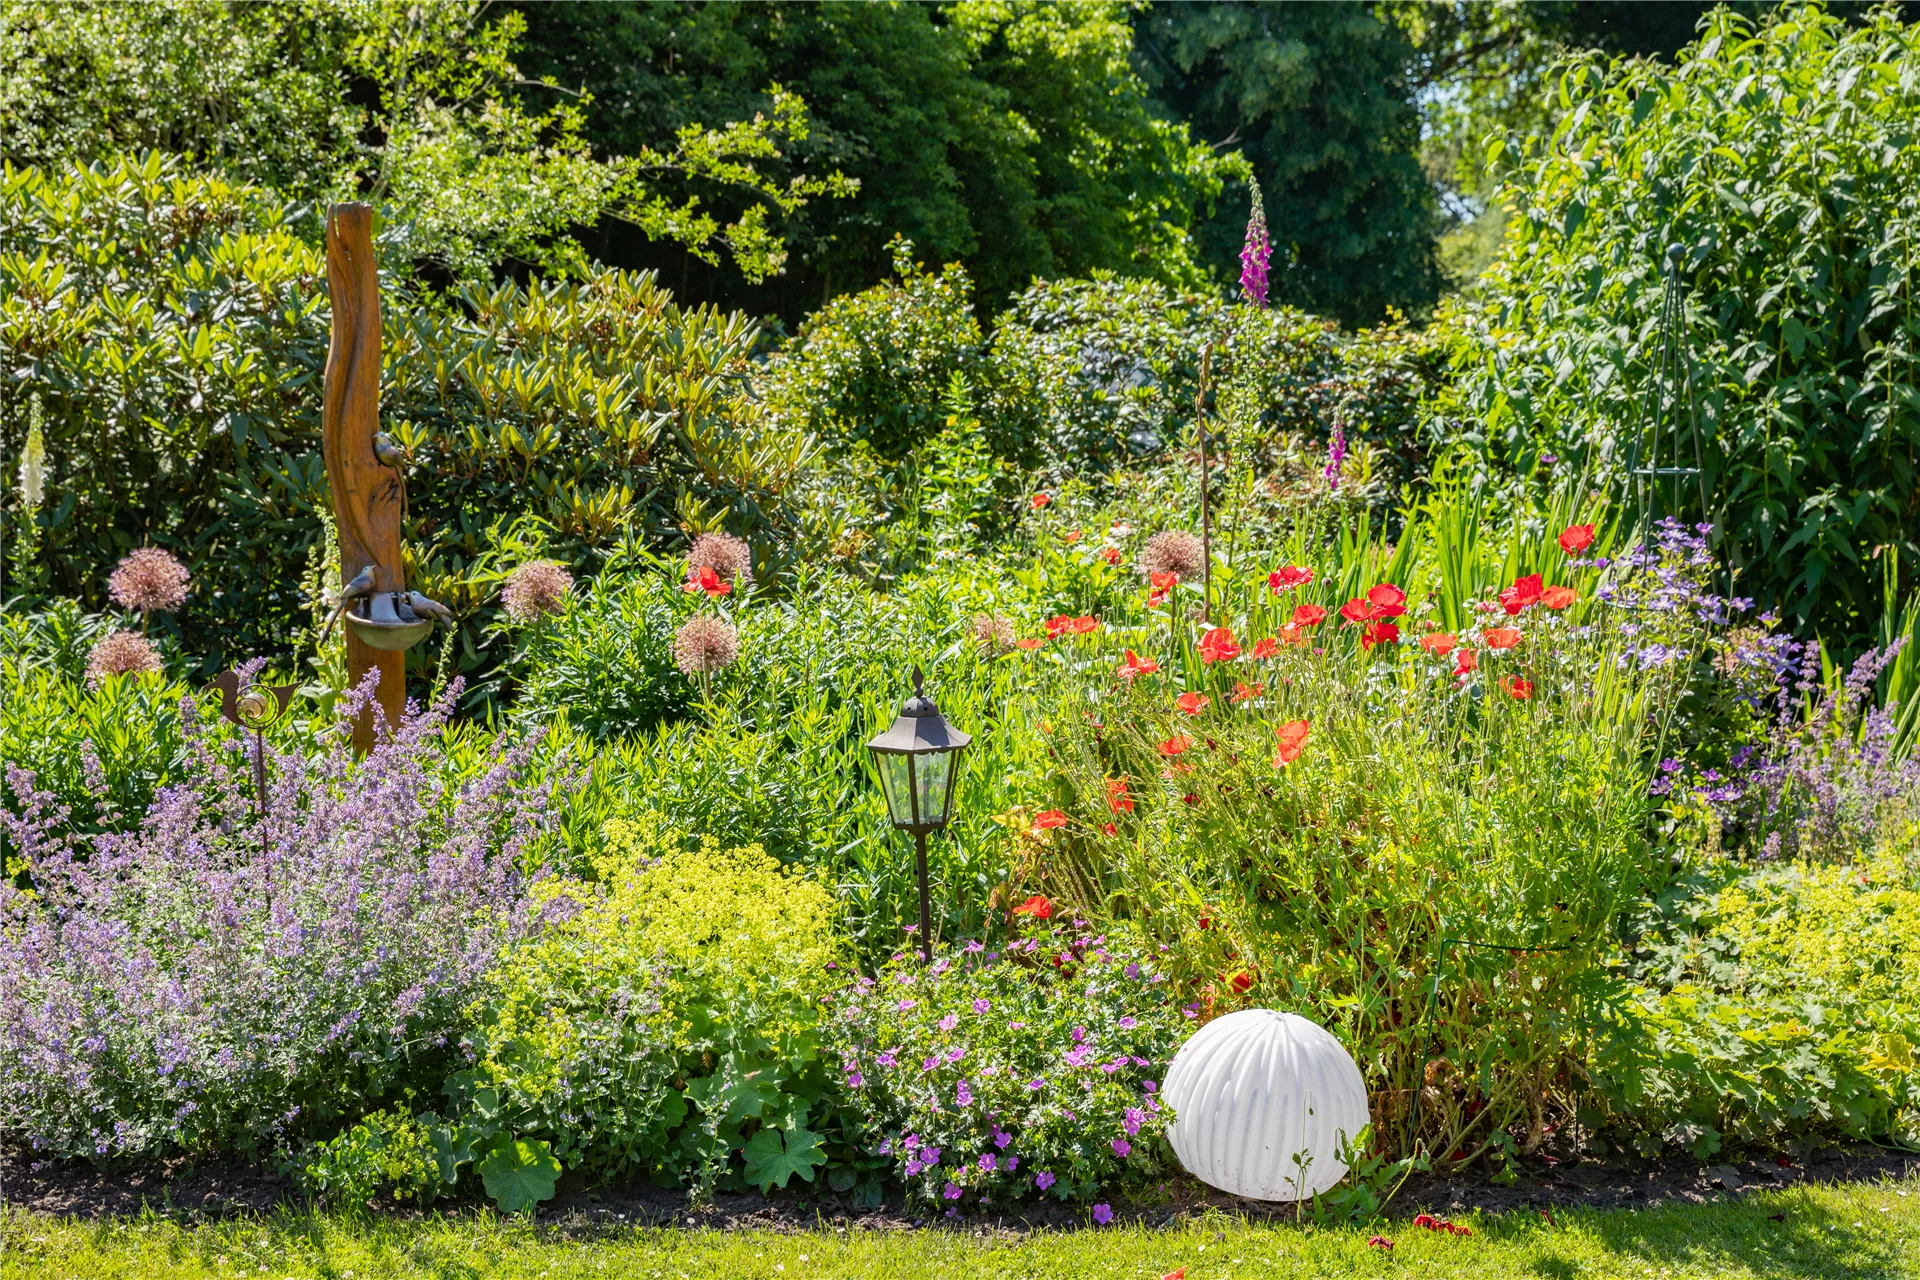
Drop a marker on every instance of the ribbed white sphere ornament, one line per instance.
(1253, 1089)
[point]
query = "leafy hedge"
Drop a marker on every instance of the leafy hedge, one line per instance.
(1783, 158)
(174, 326)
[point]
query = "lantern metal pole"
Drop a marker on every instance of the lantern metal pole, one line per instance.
(926, 902)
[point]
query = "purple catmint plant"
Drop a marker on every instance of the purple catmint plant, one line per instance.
(198, 984)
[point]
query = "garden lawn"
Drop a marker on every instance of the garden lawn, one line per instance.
(1860, 1231)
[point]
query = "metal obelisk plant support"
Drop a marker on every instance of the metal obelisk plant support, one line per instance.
(1206, 520)
(366, 494)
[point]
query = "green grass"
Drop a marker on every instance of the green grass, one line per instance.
(1848, 1233)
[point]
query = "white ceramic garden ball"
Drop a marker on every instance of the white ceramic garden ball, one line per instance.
(1253, 1089)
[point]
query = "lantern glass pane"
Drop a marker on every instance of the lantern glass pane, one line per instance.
(896, 779)
(935, 772)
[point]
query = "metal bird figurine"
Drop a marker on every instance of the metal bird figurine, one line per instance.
(359, 588)
(389, 453)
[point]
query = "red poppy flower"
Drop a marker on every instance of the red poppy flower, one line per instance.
(1110, 554)
(1557, 598)
(1464, 661)
(1047, 819)
(708, 581)
(1110, 829)
(1380, 1242)
(1287, 577)
(1309, 615)
(1135, 665)
(1267, 648)
(1033, 643)
(1082, 625)
(1501, 637)
(1389, 600)
(1189, 799)
(1379, 633)
(1173, 746)
(1293, 740)
(1117, 798)
(1056, 624)
(1523, 592)
(1192, 703)
(1576, 538)
(1163, 582)
(1241, 982)
(1359, 609)
(1036, 906)
(1039, 500)
(1075, 536)
(1517, 688)
(1218, 645)
(1242, 691)
(1439, 644)
(1181, 1274)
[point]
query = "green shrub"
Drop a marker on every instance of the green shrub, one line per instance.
(663, 1023)
(1772, 1004)
(175, 324)
(1781, 158)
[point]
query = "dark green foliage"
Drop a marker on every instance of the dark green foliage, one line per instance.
(1319, 99)
(1011, 137)
(1798, 223)
(175, 328)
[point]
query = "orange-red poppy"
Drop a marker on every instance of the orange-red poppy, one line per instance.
(1358, 609)
(1287, 577)
(1309, 615)
(1117, 798)
(1464, 661)
(1439, 643)
(1110, 830)
(1389, 600)
(1082, 625)
(1517, 688)
(1135, 665)
(1501, 637)
(1523, 592)
(1192, 703)
(1056, 624)
(1558, 597)
(708, 581)
(1163, 582)
(1033, 643)
(1293, 740)
(1218, 645)
(1173, 746)
(1242, 691)
(1075, 536)
(1036, 906)
(1266, 648)
(1047, 819)
(1039, 500)
(1110, 554)
(1379, 633)
(1241, 982)
(1576, 537)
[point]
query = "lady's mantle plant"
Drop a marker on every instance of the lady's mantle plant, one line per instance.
(1025, 1071)
(204, 983)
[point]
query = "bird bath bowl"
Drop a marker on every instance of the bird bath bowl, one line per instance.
(389, 622)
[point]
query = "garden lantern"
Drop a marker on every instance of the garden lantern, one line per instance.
(918, 759)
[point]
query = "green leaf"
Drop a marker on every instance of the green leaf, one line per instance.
(519, 1175)
(772, 1160)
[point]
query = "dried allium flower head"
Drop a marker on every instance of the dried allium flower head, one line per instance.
(149, 579)
(994, 631)
(729, 557)
(536, 589)
(124, 653)
(1172, 552)
(704, 644)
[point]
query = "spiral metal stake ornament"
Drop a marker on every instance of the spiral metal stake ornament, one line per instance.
(255, 706)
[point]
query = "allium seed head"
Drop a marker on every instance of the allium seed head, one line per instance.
(536, 589)
(124, 653)
(994, 631)
(1173, 551)
(729, 557)
(704, 644)
(149, 579)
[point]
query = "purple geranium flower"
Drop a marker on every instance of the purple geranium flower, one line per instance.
(1122, 1148)
(1103, 1214)
(1044, 1180)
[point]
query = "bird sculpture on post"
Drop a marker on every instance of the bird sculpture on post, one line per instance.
(364, 474)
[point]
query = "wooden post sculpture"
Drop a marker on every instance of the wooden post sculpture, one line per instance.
(366, 493)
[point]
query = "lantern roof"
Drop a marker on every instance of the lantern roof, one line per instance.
(920, 729)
